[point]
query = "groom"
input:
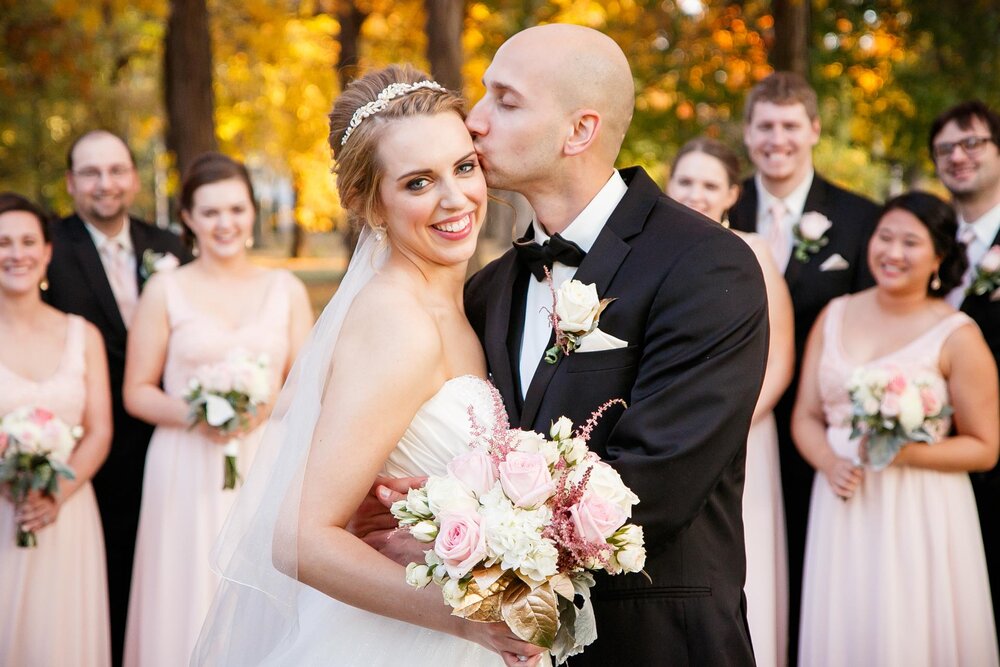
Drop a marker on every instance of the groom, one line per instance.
(688, 348)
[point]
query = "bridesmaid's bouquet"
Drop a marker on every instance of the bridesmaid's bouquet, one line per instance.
(891, 407)
(518, 524)
(225, 396)
(34, 448)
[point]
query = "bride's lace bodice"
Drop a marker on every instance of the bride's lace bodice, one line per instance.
(442, 427)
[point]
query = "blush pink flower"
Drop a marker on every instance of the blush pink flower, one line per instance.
(897, 384)
(890, 405)
(813, 225)
(596, 519)
(475, 470)
(930, 400)
(991, 262)
(460, 542)
(526, 479)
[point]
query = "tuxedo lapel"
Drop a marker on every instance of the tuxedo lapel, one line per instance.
(93, 272)
(498, 323)
(599, 267)
(140, 244)
(815, 201)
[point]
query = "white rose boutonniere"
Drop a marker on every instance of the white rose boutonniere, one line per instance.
(987, 276)
(157, 261)
(576, 312)
(809, 235)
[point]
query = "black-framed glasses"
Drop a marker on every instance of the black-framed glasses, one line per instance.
(970, 146)
(93, 174)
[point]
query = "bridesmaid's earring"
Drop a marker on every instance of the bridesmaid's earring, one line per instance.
(936, 281)
(248, 243)
(44, 285)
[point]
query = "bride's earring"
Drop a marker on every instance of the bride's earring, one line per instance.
(379, 233)
(936, 281)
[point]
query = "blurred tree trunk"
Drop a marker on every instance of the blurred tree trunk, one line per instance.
(444, 41)
(791, 36)
(189, 100)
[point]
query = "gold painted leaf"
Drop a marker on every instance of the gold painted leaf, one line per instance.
(484, 604)
(563, 586)
(532, 615)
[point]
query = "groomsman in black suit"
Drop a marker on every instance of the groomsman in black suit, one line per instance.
(685, 345)
(965, 144)
(788, 203)
(100, 259)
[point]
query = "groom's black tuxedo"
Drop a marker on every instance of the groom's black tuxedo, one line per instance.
(78, 284)
(853, 219)
(986, 313)
(691, 305)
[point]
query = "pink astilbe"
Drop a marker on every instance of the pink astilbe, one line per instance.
(500, 439)
(595, 416)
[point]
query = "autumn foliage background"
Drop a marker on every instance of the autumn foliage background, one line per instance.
(272, 69)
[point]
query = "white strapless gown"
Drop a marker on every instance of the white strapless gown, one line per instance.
(336, 634)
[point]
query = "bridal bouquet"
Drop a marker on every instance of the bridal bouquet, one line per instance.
(34, 448)
(518, 524)
(225, 396)
(891, 408)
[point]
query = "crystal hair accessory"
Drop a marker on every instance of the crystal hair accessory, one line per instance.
(390, 92)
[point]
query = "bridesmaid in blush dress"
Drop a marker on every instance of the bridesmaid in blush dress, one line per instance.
(894, 570)
(53, 597)
(189, 317)
(705, 177)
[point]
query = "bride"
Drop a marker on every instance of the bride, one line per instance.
(385, 385)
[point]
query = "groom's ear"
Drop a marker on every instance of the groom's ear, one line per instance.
(585, 128)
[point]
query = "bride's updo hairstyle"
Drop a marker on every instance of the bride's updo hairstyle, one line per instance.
(357, 124)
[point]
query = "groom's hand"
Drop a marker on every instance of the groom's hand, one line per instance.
(374, 524)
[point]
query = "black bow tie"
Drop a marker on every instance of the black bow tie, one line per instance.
(539, 257)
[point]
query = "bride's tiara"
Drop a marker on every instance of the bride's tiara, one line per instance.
(390, 92)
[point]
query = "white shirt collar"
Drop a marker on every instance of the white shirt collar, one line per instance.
(123, 236)
(586, 227)
(795, 202)
(986, 227)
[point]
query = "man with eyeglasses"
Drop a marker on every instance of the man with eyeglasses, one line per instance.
(97, 271)
(965, 144)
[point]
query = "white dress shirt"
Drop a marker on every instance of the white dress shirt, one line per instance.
(985, 229)
(583, 231)
(794, 203)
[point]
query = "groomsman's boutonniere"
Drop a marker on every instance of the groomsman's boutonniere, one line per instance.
(987, 277)
(576, 311)
(156, 261)
(809, 235)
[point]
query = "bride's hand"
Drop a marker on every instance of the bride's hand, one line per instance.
(498, 637)
(372, 515)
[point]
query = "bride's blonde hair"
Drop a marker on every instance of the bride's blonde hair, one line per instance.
(359, 174)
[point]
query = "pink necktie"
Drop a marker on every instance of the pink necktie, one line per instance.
(777, 239)
(121, 278)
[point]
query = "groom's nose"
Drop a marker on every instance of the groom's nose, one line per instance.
(476, 120)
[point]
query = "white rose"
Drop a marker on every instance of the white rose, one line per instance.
(632, 558)
(911, 409)
(575, 450)
(418, 575)
(453, 592)
(446, 494)
(416, 502)
(607, 483)
(991, 261)
(813, 225)
(424, 531)
(218, 411)
(531, 442)
(561, 429)
(577, 305)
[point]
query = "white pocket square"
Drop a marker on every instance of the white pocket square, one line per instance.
(834, 263)
(598, 341)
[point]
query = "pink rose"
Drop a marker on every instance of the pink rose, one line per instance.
(475, 470)
(41, 416)
(595, 519)
(896, 385)
(813, 225)
(461, 542)
(526, 479)
(932, 404)
(890, 405)
(991, 262)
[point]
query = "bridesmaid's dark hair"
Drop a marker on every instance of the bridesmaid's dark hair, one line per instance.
(939, 219)
(10, 201)
(714, 148)
(206, 169)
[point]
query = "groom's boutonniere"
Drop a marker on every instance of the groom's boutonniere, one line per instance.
(576, 312)
(809, 235)
(987, 277)
(156, 261)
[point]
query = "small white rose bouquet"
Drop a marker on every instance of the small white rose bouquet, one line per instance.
(225, 396)
(576, 312)
(891, 408)
(153, 262)
(987, 277)
(518, 524)
(34, 448)
(809, 235)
